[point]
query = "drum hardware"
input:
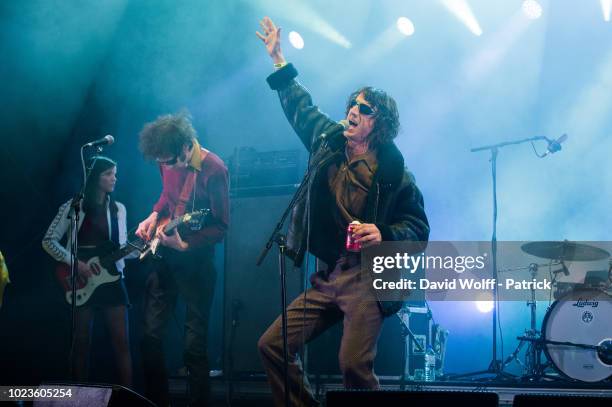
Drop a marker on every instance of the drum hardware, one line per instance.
(605, 352)
(576, 335)
(608, 288)
(565, 251)
(563, 270)
(496, 366)
(572, 345)
(532, 367)
(604, 349)
(523, 268)
(597, 279)
(563, 288)
(537, 266)
(577, 323)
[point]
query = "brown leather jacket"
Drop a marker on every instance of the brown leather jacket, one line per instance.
(394, 204)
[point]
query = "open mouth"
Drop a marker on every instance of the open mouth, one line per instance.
(352, 123)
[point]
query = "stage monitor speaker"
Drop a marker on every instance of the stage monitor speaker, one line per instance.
(92, 395)
(410, 398)
(555, 400)
(252, 294)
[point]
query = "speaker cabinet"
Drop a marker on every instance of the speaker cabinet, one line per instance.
(252, 294)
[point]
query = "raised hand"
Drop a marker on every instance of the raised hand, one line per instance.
(271, 37)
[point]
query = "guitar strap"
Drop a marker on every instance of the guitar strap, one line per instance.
(189, 185)
(114, 224)
(185, 193)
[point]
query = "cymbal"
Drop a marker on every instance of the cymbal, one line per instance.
(565, 251)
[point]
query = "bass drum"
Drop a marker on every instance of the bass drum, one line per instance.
(585, 317)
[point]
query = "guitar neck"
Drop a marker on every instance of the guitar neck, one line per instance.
(173, 224)
(121, 253)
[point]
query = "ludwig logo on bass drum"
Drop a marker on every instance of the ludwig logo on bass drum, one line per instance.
(587, 317)
(585, 303)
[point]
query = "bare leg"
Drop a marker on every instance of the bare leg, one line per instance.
(117, 322)
(82, 344)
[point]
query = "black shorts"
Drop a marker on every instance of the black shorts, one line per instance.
(109, 295)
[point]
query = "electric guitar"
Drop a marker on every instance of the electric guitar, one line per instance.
(193, 220)
(102, 259)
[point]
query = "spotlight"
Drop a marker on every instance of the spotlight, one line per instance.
(405, 26)
(484, 306)
(606, 5)
(532, 9)
(296, 40)
(462, 10)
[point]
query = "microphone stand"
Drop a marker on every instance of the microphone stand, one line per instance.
(496, 366)
(74, 215)
(279, 238)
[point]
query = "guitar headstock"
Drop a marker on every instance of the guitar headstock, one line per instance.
(196, 220)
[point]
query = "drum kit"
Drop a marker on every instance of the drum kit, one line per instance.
(576, 332)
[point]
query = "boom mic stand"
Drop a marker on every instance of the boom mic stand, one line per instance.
(279, 238)
(496, 365)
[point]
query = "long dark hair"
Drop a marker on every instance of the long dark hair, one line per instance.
(100, 164)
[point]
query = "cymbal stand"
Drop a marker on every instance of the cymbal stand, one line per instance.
(531, 366)
(531, 354)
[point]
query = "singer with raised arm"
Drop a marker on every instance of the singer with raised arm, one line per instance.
(359, 176)
(193, 179)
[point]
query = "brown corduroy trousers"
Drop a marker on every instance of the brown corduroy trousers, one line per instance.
(343, 296)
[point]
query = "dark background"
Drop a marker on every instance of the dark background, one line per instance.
(73, 72)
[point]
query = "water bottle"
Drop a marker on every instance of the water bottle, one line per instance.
(430, 365)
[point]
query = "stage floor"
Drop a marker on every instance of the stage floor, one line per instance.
(254, 390)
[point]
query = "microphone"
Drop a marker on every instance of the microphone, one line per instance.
(563, 270)
(336, 128)
(106, 140)
(555, 145)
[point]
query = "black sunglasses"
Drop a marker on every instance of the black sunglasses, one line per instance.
(363, 108)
